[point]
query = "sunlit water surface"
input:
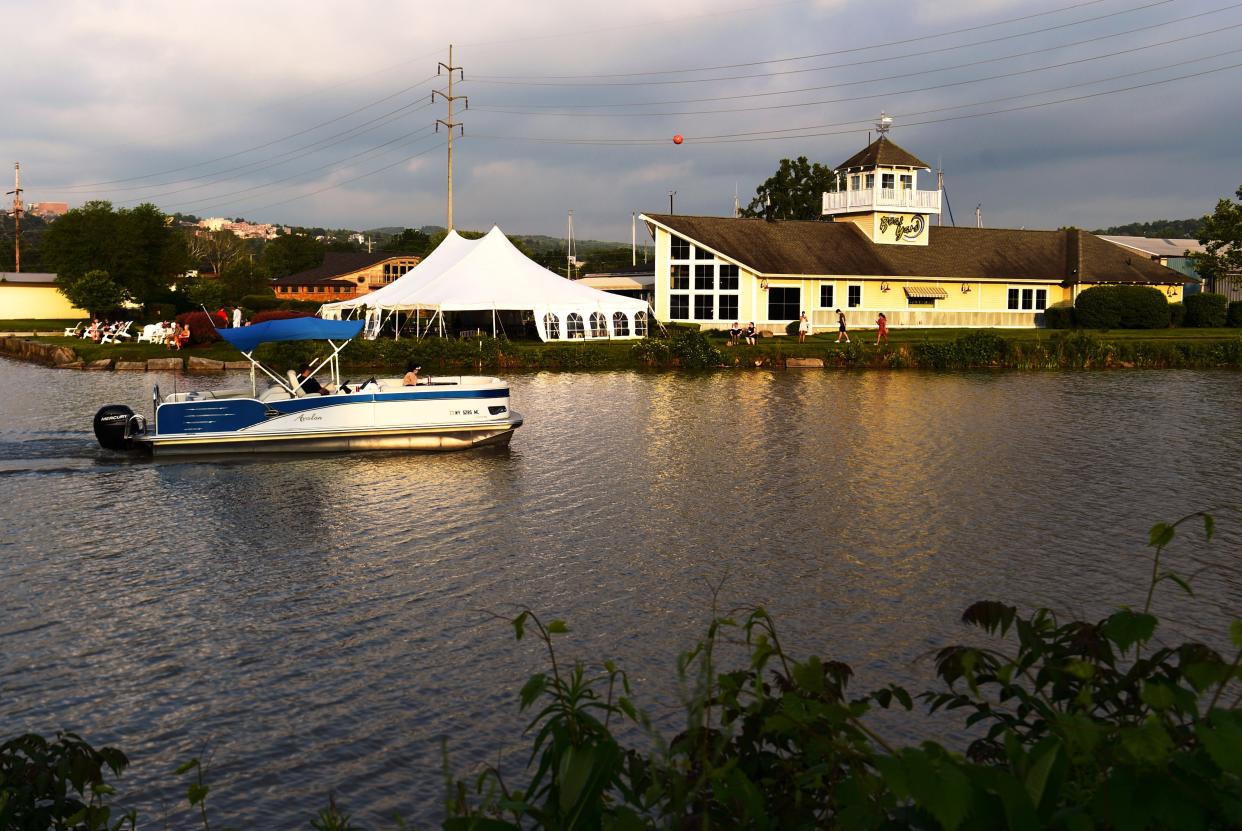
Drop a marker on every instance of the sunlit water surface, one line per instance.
(321, 623)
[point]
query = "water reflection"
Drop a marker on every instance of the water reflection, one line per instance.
(326, 620)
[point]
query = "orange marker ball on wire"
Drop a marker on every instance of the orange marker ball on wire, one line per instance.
(677, 139)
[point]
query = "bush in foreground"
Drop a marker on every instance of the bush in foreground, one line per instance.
(1122, 307)
(1233, 317)
(1059, 316)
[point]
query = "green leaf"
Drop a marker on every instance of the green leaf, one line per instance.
(1161, 535)
(1179, 580)
(1209, 526)
(519, 625)
(575, 770)
(186, 767)
(533, 688)
(1156, 695)
(1083, 670)
(939, 787)
(1149, 743)
(196, 793)
(1221, 735)
(1126, 628)
(1037, 776)
(557, 627)
(1235, 633)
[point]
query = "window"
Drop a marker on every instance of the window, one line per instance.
(679, 277)
(704, 278)
(620, 325)
(728, 307)
(921, 301)
(679, 306)
(870, 181)
(887, 180)
(854, 296)
(825, 296)
(1028, 299)
(573, 326)
(854, 182)
(552, 326)
(680, 248)
(704, 306)
(907, 182)
(640, 324)
(728, 278)
(784, 303)
(599, 325)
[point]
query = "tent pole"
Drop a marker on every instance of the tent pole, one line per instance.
(398, 319)
(493, 320)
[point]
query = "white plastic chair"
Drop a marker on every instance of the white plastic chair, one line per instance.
(74, 331)
(148, 333)
(119, 334)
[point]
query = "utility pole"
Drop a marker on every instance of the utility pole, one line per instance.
(671, 194)
(449, 123)
(569, 248)
(634, 238)
(17, 216)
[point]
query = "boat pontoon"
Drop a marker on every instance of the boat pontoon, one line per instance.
(439, 413)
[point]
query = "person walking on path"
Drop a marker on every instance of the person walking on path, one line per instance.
(804, 328)
(882, 333)
(841, 333)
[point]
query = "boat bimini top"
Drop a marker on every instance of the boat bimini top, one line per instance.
(248, 338)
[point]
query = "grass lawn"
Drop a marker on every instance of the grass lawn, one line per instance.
(88, 350)
(56, 326)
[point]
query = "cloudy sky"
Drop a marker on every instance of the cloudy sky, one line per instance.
(1046, 112)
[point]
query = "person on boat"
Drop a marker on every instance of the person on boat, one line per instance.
(882, 333)
(841, 333)
(804, 328)
(308, 383)
(735, 332)
(411, 375)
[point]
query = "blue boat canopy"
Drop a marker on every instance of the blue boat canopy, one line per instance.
(246, 338)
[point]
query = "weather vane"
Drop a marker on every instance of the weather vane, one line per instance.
(884, 124)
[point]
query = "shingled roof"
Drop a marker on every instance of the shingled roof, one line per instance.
(884, 153)
(841, 248)
(335, 264)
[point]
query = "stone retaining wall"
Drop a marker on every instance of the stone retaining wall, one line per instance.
(63, 357)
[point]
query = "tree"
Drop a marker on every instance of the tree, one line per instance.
(204, 291)
(94, 291)
(243, 277)
(291, 253)
(138, 247)
(217, 249)
(795, 191)
(409, 241)
(1222, 238)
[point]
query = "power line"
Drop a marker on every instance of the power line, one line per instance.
(483, 79)
(767, 135)
(930, 88)
(748, 95)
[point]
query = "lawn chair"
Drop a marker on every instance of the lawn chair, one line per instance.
(74, 331)
(120, 333)
(148, 333)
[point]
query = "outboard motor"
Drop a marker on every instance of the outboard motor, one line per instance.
(114, 427)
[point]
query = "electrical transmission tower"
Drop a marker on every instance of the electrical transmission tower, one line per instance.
(17, 216)
(449, 123)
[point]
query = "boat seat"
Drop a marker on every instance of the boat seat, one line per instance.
(298, 392)
(274, 394)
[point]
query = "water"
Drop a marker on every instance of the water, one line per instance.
(320, 623)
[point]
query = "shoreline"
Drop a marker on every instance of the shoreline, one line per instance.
(684, 349)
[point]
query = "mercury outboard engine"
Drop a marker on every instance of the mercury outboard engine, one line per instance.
(115, 426)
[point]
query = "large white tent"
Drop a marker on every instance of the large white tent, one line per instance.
(491, 275)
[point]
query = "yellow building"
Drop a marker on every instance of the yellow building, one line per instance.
(879, 252)
(33, 296)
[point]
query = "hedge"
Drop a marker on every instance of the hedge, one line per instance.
(1122, 307)
(1059, 316)
(1206, 310)
(1234, 316)
(1177, 314)
(201, 328)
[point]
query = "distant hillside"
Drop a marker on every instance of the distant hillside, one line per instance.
(1160, 229)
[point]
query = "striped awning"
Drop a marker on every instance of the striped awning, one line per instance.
(934, 292)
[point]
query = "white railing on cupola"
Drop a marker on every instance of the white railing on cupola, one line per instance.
(882, 199)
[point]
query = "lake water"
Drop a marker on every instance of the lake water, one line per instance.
(321, 623)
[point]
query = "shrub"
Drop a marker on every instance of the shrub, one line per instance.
(791, 328)
(1059, 316)
(693, 351)
(260, 302)
(1177, 314)
(1143, 307)
(201, 329)
(1233, 317)
(278, 314)
(1098, 307)
(1122, 307)
(1206, 310)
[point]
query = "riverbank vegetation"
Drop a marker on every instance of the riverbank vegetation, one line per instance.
(686, 348)
(1071, 724)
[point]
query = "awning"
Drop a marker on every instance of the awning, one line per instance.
(932, 292)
